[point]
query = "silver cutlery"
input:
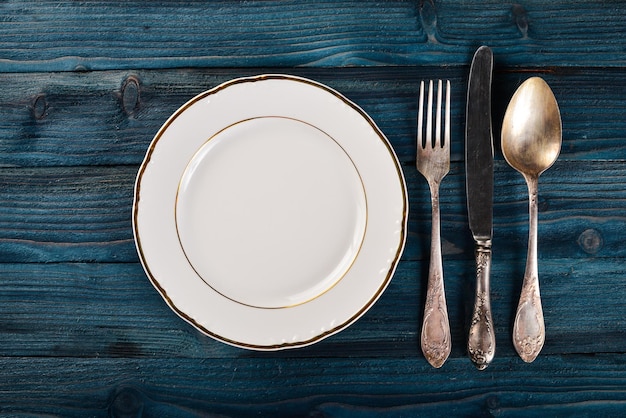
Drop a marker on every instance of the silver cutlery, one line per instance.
(433, 161)
(481, 343)
(531, 142)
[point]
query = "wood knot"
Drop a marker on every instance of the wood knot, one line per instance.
(39, 107)
(124, 349)
(131, 97)
(80, 68)
(520, 18)
(493, 402)
(428, 16)
(127, 402)
(590, 241)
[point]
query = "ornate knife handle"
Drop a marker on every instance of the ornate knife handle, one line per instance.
(481, 344)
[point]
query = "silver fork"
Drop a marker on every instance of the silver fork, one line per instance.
(433, 161)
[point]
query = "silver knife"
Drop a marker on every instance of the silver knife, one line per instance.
(481, 344)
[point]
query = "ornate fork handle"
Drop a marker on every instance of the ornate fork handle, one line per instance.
(433, 161)
(435, 341)
(481, 344)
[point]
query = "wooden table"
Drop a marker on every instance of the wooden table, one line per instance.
(84, 86)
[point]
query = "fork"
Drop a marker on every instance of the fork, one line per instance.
(433, 161)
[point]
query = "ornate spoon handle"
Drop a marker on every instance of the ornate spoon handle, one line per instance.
(435, 339)
(481, 344)
(529, 328)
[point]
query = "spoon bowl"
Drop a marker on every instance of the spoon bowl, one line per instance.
(531, 130)
(531, 142)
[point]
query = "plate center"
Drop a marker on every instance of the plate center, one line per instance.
(271, 212)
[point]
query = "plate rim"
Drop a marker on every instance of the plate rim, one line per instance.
(322, 335)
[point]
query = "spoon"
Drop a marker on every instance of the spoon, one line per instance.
(531, 142)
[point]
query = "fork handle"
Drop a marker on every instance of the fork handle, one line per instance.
(435, 338)
(481, 344)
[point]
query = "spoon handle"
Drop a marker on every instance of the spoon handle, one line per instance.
(481, 344)
(529, 328)
(435, 338)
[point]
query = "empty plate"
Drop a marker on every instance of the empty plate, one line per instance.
(270, 212)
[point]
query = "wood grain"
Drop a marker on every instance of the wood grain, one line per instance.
(109, 118)
(83, 214)
(71, 36)
(84, 87)
(49, 310)
(554, 385)
(67, 213)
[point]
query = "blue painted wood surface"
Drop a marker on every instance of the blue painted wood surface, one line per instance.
(84, 86)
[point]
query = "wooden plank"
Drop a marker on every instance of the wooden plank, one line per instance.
(66, 36)
(112, 310)
(554, 386)
(85, 85)
(71, 213)
(83, 214)
(581, 211)
(109, 118)
(67, 214)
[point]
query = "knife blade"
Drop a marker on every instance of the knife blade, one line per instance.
(479, 189)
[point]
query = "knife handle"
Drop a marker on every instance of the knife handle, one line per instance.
(481, 344)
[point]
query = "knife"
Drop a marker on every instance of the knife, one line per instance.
(481, 344)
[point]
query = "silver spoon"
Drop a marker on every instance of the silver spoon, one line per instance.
(531, 142)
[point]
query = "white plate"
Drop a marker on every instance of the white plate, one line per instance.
(270, 212)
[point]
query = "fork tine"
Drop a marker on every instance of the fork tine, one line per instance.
(441, 107)
(429, 116)
(420, 118)
(446, 142)
(437, 143)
